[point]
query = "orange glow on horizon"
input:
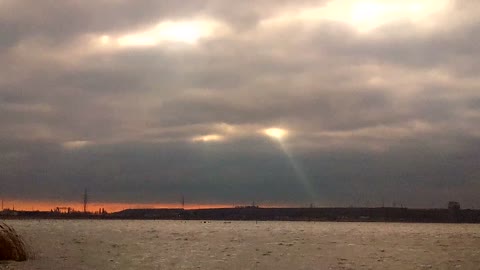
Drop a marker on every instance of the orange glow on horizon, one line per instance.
(95, 206)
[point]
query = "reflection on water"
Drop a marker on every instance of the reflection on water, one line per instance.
(90, 244)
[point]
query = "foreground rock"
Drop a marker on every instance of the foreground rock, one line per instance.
(12, 246)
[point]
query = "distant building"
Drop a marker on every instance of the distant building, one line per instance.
(63, 210)
(454, 211)
(453, 205)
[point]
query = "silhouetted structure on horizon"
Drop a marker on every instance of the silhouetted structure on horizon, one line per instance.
(454, 211)
(452, 214)
(85, 201)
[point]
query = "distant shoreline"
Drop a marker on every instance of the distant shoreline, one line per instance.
(339, 214)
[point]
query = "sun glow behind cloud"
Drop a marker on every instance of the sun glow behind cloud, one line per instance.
(208, 138)
(186, 32)
(368, 15)
(276, 133)
(73, 145)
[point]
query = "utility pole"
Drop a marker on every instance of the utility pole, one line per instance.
(183, 202)
(85, 201)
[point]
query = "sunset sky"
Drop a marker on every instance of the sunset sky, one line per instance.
(281, 103)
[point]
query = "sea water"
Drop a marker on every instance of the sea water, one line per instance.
(121, 244)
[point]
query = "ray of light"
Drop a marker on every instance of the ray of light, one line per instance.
(279, 134)
(299, 172)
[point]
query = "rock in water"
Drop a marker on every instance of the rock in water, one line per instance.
(12, 246)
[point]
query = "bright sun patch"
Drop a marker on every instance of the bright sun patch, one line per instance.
(187, 32)
(367, 15)
(276, 133)
(208, 138)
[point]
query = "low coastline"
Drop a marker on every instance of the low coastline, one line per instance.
(347, 214)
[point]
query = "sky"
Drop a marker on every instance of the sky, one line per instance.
(272, 102)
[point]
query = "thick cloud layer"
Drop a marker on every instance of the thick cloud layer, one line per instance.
(141, 101)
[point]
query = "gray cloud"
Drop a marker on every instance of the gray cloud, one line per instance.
(390, 113)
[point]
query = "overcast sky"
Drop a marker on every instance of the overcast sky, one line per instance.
(337, 102)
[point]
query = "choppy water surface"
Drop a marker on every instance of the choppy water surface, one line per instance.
(96, 244)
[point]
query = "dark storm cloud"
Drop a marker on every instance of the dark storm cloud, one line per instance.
(391, 113)
(239, 173)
